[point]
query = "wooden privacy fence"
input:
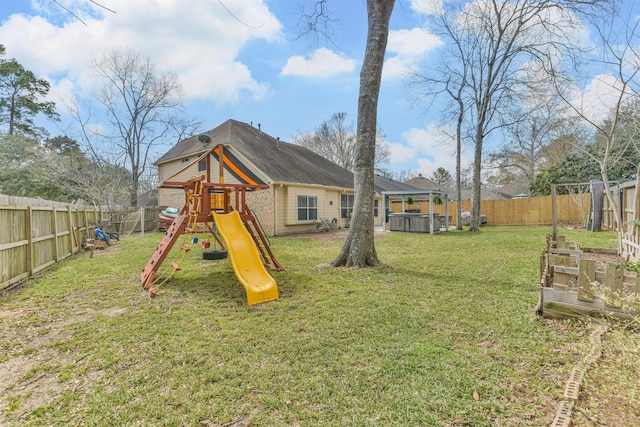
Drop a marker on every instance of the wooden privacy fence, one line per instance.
(572, 283)
(33, 238)
(572, 209)
(625, 194)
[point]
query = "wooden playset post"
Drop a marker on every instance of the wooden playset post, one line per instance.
(554, 212)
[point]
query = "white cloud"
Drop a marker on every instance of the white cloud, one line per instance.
(427, 7)
(200, 43)
(322, 63)
(598, 97)
(405, 48)
(426, 149)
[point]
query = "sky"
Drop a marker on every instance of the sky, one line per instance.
(244, 60)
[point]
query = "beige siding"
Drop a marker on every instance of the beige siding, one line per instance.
(280, 208)
(167, 170)
(287, 207)
(276, 207)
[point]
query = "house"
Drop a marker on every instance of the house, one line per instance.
(304, 188)
(466, 193)
(148, 198)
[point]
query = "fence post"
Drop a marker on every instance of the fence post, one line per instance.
(54, 229)
(29, 241)
(613, 281)
(142, 221)
(586, 276)
(72, 232)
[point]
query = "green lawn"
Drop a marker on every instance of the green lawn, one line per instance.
(444, 334)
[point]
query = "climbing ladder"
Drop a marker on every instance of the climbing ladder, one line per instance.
(260, 240)
(185, 224)
(149, 276)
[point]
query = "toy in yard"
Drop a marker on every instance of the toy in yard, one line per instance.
(103, 231)
(223, 206)
(102, 237)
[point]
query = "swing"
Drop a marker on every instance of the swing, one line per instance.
(214, 253)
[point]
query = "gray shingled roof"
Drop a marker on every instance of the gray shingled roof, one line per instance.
(385, 184)
(280, 161)
(427, 184)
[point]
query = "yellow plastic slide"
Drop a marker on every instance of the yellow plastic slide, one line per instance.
(246, 261)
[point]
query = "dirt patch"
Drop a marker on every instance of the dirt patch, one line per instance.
(603, 402)
(32, 381)
(32, 374)
(602, 259)
(7, 315)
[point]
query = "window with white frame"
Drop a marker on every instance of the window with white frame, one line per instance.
(307, 208)
(346, 206)
(202, 165)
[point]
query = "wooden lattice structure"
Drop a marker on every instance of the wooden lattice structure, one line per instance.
(572, 285)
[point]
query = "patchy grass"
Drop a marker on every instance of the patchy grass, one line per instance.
(610, 391)
(443, 334)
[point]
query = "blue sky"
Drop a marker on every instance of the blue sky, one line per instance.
(241, 59)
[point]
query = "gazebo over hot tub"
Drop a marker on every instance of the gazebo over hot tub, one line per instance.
(414, 220)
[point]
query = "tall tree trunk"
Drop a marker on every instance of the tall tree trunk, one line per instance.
(459, 160)
(359, 247)
(477, 183)
(133, 196)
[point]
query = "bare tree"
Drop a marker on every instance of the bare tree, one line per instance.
(536, 129)
(97, 181)
(620, 73)
(336, 140)
(450, 80)
(141, 108)
(496, 38)
(359, 247)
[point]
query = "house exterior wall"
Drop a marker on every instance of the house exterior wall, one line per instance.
(275, 207)
(172, 196)
(286, 207)
(328, 207)
(168, 169)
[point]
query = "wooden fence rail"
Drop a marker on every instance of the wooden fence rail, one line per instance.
(572, 209)
(571, 284)
(625, 194)
(33, 238)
